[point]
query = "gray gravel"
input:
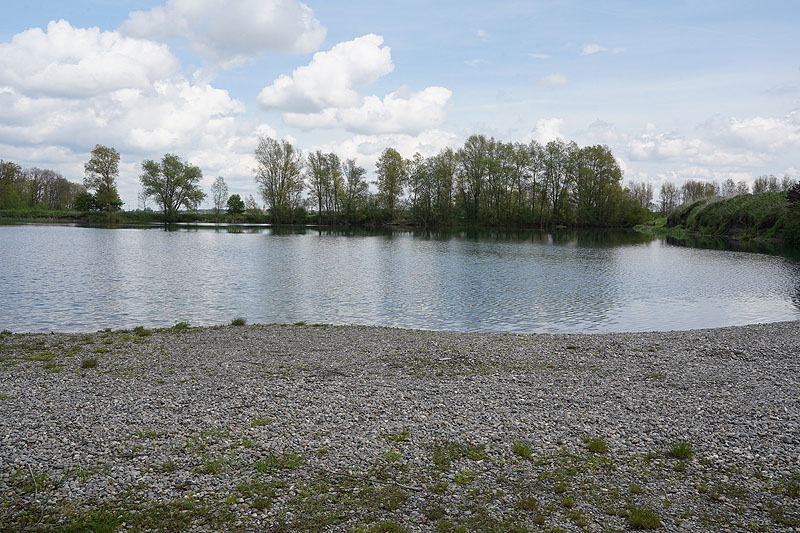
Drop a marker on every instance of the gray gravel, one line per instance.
(350, 428)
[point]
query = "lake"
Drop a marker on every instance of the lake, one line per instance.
(70, 278)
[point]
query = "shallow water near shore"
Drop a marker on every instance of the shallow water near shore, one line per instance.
(69, 278)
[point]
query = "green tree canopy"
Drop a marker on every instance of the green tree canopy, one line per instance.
(172, 183)
(392, 176)
(100, 175)
(235, 205)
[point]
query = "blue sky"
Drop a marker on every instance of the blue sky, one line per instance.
(678, 90)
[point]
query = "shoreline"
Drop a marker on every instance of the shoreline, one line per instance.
(357, 428)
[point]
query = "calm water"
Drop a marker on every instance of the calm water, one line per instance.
(67, 278)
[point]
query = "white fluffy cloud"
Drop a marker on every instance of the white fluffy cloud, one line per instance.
(394, 113)
(75, 62)
(325, 93)
(231, 31)
(332, 78)
(118, 91)
(547, 129)
(767, 134)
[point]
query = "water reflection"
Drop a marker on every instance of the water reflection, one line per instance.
(77, 278)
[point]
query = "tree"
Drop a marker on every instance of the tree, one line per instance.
(356, 188)
(172, 183)
(642, 193)
(11, 182)
(235, 205)
(668, 197)
(392, 175)
(251, 206)
(279, 177)
(100, 174)
(219, 193)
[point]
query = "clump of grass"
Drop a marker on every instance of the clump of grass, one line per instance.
(680, 450)
(169, 465)
(44, 356)
(141, 331)
(261, 421)
(238, 321)
(400, 436)
(465, 477)
(595, 445)
(643, 518)
(89, 363)
(287, 460)
(212, 466)
(5, 333)
(523, 449)
(527, 503)
(181, 326)
(444, 452)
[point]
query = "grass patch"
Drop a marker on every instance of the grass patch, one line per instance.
(140, 331)
(400, 436)
(286, 460)
(465, 477)
(643, 518)
(89, 363)
(680, 450)
(261, 421)
(595, 445)
(445, 452)
(523, 449)
(238, 321)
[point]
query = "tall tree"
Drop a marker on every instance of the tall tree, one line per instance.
(100, 175)
(235, 205)
(279, 177)
(392, 175)
(173, 184)
(356, 189)
(219, 194)
(11, 184)
(473, 160)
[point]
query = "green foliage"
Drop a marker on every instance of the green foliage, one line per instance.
(238, 321)
(89, 363)
(173, 184)
(523, 449)
(100, 174)
(235, 205)
(181, 326)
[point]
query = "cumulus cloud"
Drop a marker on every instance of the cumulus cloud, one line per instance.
(394, 113)
(325, 93)
(767, 134)
(231, 31)
(332, 78)
(547, 129)
(674, 147)
(118, 91)
(75, 63)
(366, 149)
(553, 81)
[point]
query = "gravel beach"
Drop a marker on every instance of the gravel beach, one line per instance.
(327, 428)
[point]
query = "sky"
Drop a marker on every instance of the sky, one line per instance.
(681, 89)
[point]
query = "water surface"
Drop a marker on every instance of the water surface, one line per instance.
(69, 278)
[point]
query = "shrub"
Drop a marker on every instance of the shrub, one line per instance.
(238, 321)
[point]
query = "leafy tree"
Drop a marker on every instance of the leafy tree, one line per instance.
(356, 188)
(473, 160)
(251, 206)
(219, 193)
(85, 201)
(325, 182)
(392, 175)
(172, 183)
(668, 198)
(235, 205)
(11, 184)
(279, 176)
(100, 174)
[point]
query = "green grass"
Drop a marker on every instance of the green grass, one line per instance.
(595, 445)
(261, 421)
(523, 449)
(643, 518)
(680, 450)
(140, 331)
(181, 326)
(89, 363)
(238, 321)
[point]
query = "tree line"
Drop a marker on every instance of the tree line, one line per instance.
(485, 182)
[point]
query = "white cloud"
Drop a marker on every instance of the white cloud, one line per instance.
(547, 129)
(767, 134)
(119, 96)
(553, 81)
(76, 63)
(540, 56)
(482, 34)
(332, 78)
(394, 113)
(231, 31)
(593, 48)
(366, 149)
(662, 147)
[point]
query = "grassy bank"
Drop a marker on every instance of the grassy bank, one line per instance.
(747, 217)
